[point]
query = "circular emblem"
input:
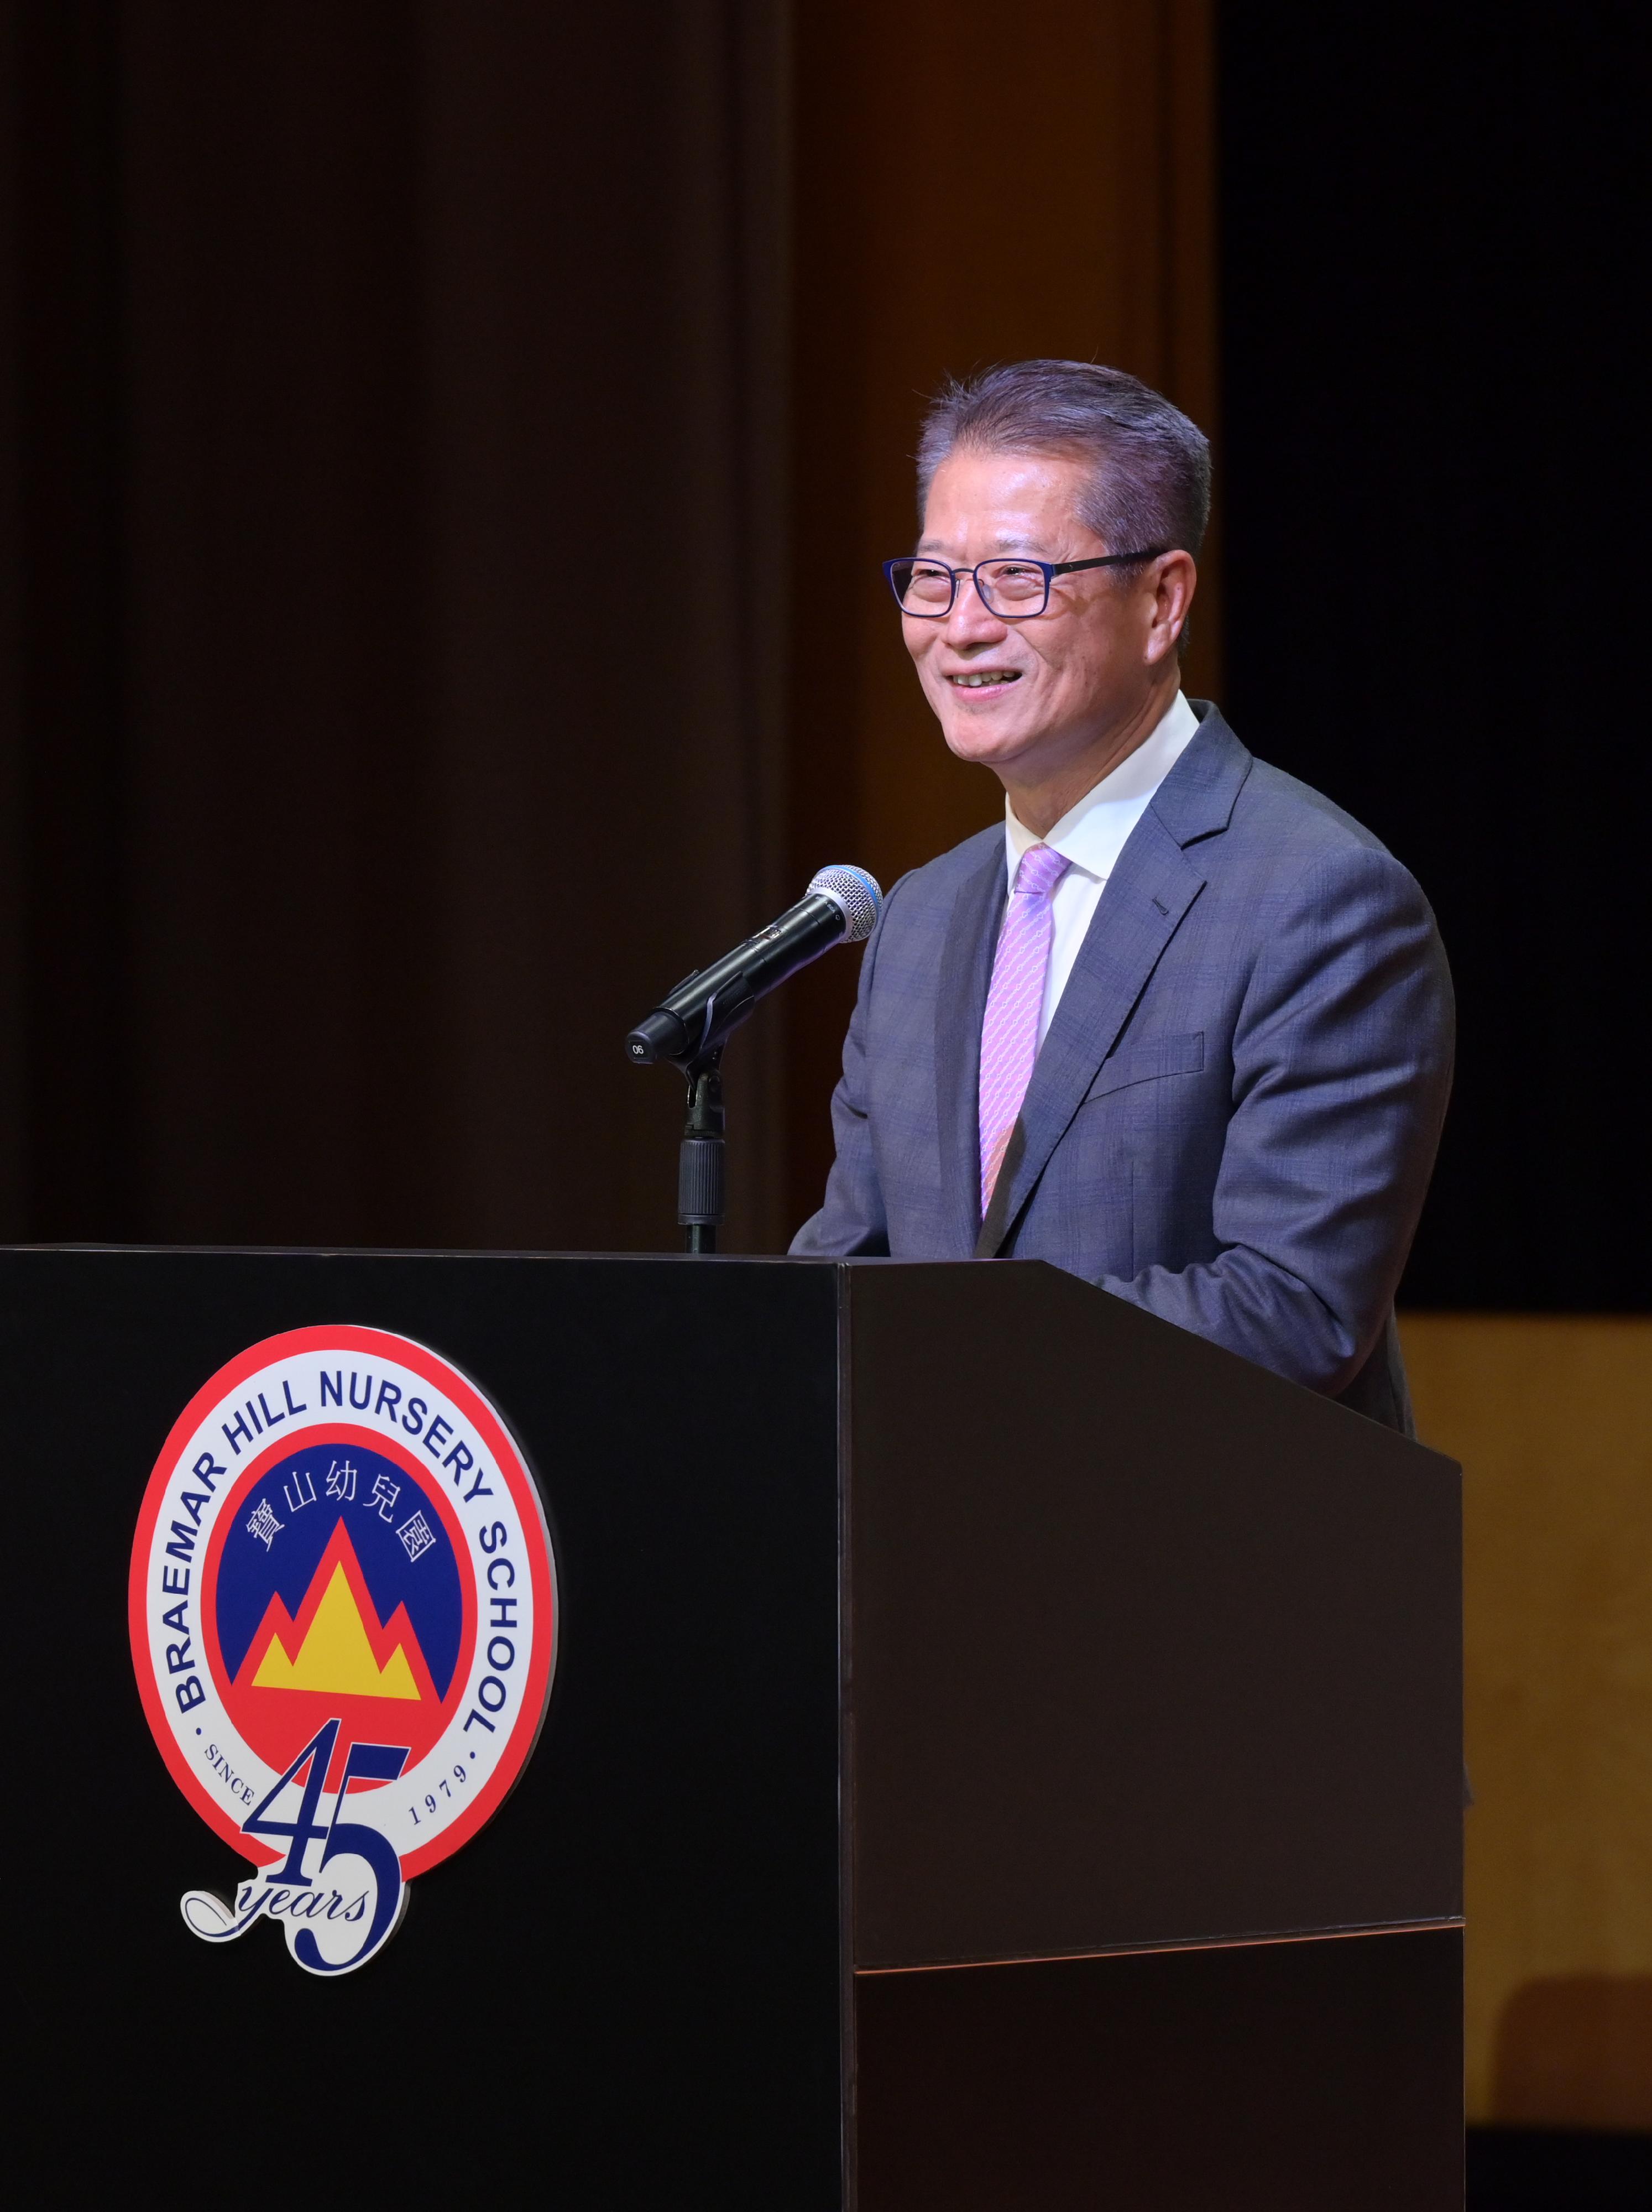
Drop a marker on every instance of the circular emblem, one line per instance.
(344, 1616)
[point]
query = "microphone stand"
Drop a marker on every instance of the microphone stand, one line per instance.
(700, 1166)
(687, 1030)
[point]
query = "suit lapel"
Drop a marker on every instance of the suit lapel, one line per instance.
(1138, 912)
(960, 1008)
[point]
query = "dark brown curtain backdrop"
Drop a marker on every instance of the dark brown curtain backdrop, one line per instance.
(406, 410)
(395, 567)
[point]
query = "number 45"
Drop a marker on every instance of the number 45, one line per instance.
(363, 1762)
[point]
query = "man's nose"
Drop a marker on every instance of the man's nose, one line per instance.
(969, 617)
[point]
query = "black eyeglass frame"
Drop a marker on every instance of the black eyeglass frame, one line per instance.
(1051, 570)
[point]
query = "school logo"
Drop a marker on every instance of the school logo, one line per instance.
(343, 1620)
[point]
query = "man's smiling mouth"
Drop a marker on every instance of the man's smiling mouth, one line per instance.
(975, 679)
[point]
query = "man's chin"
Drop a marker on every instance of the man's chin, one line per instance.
(983, 742)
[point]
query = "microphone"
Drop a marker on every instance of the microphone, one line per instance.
(841, 906)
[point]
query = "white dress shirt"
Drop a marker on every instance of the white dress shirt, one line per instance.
(1092, 835)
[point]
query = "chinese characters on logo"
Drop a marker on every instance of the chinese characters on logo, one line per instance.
(417, 1538)
(304, 1483)
(264, 1524)
(298, 1489)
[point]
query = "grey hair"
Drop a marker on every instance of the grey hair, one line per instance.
(1149, 481)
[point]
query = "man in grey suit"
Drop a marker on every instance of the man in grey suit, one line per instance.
(1178, 1024)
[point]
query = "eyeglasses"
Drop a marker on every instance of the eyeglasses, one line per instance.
(1015, 589)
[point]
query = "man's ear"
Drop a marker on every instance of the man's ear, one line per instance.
(1174, 581)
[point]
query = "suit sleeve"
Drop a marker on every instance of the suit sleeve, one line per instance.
(1342, 1067)
(852, 1223)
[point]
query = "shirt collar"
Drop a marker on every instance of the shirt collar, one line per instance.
(1092, 834)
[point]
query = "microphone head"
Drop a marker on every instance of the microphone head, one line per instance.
(854, 893)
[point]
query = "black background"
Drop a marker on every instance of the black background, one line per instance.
(1433, 457)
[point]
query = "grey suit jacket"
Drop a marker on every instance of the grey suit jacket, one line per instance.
(1234, 1117)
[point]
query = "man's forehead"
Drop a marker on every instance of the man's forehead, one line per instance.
(991, 502)
(1000, 541)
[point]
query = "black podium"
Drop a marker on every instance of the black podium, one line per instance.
(1003, 1752)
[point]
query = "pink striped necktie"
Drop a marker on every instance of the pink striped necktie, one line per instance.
(1008, 1036)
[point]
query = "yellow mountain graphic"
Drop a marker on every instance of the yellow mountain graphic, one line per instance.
(335, 1654)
